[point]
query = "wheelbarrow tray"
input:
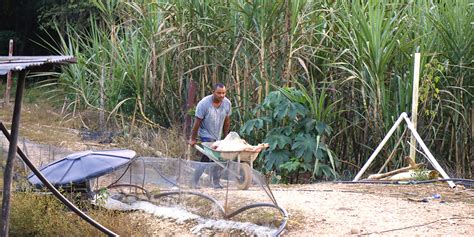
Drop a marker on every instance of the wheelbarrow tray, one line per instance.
(244, 171)
(247, 156)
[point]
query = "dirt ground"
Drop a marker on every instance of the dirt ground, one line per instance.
(331, 208)
(364, 209)
(343, 209)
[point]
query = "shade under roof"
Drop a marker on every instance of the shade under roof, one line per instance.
(18, 63)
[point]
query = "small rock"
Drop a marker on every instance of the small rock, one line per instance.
(355, 231)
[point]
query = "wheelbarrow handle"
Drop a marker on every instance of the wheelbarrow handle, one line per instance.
(211, 156)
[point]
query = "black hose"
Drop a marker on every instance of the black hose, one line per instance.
(221, 209)
(406, 182)
(230, 215)
(130, 185)
(283, 212)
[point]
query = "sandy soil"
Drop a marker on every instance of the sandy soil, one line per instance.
(347, 209)
(358, 209)
(343, 209)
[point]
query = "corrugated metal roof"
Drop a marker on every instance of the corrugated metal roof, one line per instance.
(18, 63)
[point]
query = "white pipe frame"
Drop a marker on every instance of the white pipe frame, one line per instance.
(430, 156)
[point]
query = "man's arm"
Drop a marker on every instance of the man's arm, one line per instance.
(226, 125)
(194, 131)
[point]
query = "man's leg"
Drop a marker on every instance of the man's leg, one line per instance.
(214, 169)
(198, 171)
(215, 175)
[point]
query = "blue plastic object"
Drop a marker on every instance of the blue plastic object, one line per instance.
(82, 166)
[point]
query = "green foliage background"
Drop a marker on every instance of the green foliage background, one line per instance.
(351, 61)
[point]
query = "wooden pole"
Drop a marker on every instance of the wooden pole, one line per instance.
(8, 87)
(8, 173)
(414, 104)
(190, 102)
(102, 98)
(55, 192)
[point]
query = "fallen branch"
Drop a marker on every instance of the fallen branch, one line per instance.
(412, 165)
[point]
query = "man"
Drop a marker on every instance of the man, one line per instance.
(212, 122)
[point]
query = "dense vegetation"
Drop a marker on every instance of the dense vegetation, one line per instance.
(322, 81)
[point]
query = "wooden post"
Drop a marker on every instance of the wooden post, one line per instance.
(8, 173)
(414, 104)
(8, 87)
(102, 98)
(190, 101)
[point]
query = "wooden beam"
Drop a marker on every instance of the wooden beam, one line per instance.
(411, 165)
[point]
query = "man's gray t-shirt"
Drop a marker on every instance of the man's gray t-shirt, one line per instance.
(212, 117)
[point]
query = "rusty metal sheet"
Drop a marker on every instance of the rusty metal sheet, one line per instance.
(18, 63)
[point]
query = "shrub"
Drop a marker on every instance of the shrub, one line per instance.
(295, 135)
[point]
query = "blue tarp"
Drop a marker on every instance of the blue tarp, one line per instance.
(82, 166)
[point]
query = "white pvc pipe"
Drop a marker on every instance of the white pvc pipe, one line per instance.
(379, 147)
(414, 104)
(428, 153)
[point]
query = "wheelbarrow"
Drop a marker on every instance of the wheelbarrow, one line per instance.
(244, 159)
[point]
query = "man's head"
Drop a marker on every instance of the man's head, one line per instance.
(219, 92)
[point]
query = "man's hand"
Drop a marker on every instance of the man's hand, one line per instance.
(194, 131)
(192, 141)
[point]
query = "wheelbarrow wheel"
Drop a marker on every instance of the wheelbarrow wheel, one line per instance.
(245, 176)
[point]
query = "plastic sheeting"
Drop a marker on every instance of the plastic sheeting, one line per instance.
(82, 166)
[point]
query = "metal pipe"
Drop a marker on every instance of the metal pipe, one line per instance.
(379, 147)
(404, 182)
(54, 190)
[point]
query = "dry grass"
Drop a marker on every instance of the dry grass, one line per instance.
(43, 215)
(34, 214)
(43, 124)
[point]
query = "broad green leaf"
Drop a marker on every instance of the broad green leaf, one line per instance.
(277, 140)
(291, 166)
(327, 171)
(273, 99)
(288, 109)
(323, 128)
(276, 158)
(304, 147)
(309, 125)
(250, 125)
